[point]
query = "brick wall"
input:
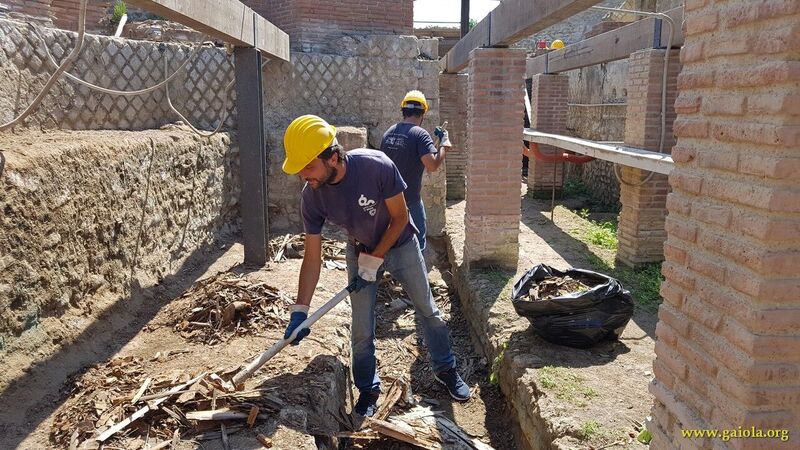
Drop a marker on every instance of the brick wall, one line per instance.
(549, 97)
(728, 352)
(311, 23)
(453, 109)
(643, 195)
(494, 123)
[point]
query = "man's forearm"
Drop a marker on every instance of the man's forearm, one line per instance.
(309, 277)
(389, 238)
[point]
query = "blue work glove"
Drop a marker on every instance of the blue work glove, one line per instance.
(439, 133)
(295, 320)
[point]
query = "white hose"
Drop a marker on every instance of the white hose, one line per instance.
(146, 90)
(186, 121)
(57, 74)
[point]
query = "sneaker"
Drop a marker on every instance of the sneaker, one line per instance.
(454, 384)
(367, 403)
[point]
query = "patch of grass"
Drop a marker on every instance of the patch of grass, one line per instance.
(494, 377)
(500, 282)
(574, 188)
(119, 10)
(644, 282)
(590, 429)
(566, 385)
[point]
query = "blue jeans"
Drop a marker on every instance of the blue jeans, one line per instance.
(405, 263)
(417, 212)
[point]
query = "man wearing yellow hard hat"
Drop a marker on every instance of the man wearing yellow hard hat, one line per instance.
(362, 192)
(411, 149)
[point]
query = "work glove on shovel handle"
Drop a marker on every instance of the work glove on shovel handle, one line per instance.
(368, 266)
(298, 316)
(443, 136)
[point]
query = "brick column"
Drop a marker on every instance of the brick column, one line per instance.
(494, 128)
(549, 97)
(453, 109)
(728, 351)
(641, 221)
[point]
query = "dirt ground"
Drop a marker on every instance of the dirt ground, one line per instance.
(310, 380)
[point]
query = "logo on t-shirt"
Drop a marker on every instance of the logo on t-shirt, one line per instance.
(367, 205)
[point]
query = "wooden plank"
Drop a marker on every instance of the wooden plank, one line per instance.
(511, 21)
(228, 20)
(140, 413)
(620, 154)
(609, 46)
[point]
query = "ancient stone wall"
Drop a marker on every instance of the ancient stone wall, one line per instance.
(361, 85)
(198, 91)
(91, 213)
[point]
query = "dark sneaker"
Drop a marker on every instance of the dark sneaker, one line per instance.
(367, 403)
(454, 384)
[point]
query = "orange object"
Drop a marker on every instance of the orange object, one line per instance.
(534, 151)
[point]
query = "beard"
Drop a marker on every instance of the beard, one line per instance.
(330, 176)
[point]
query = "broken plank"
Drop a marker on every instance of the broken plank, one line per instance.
(460, 434)
(394, 394)
(225, 443)
(141, 413)
(401, 433)
(265, 441)
(220, 414)
(141, 390)
(251, 418)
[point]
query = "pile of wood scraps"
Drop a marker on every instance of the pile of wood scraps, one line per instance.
(556, 287)
(292, 246)
(118, 402)
(227, 305)
(417, 425)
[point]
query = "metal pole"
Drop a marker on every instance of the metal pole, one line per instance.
(464, 17)
(252, 156)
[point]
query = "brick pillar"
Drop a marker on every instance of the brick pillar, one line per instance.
(549, 97)
(641, 221)
(453, 109)
(494, 128)
(728, 350)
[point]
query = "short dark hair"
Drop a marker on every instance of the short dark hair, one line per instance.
(328, 152)
(413, 109)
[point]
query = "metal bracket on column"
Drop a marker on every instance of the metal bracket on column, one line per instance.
(657, 33)
(252, 155)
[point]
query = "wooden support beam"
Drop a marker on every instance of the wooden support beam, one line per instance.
(511, 21)
(610, 46)
(627, 156)
(228, 20)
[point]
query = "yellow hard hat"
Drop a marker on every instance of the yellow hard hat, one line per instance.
(558, 43)
(306, 137)
(415, 96)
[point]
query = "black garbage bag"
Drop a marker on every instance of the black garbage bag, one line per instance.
(579, 319)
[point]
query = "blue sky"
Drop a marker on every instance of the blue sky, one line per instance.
(450, 10)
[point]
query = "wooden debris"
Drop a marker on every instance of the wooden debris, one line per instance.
(251, 418)
(395, 393)
(556, 287)
(402, 432)
(141, 390)
(217, 414)
(265, 441)
(293, 246)
(140, 413)
(228, 304)
(225, 443)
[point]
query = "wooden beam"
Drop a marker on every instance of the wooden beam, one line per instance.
(509, 22)
(228, 20)
(610, 46)
(627, 156)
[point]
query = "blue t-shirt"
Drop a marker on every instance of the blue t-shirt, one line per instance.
(357, 203)
(406, 144)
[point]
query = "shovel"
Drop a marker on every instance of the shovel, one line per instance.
(248, 371)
